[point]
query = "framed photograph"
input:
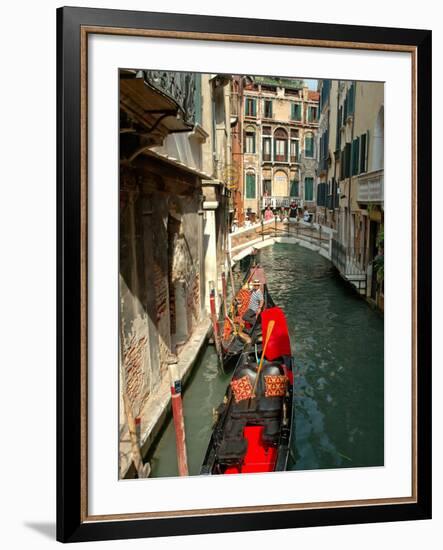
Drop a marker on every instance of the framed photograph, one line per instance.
(244, 274)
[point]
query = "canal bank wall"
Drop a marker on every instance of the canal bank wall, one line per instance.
(158, 405)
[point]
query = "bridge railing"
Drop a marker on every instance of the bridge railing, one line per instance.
(349, 261)
(313, 234)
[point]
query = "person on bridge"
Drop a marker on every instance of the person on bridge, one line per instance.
(256, 302)
(268, 213)
(293, 212)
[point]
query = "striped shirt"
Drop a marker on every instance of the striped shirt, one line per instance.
(256, 298)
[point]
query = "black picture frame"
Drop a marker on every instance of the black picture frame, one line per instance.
(72, 525)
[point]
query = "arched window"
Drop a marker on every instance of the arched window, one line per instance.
(250, 140)
(250, 187)
(280, 145)
(309, 145)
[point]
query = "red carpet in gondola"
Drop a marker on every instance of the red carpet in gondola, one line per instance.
(257, 458)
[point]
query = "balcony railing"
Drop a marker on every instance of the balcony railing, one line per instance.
(178, 86)
(278, 201)
(371, 187)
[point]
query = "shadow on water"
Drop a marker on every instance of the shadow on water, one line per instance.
(337, 343)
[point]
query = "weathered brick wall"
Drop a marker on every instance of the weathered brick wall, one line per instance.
(159, 241)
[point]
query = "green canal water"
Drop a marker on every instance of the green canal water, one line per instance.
(337, 343)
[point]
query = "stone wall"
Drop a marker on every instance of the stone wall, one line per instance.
(160, 263)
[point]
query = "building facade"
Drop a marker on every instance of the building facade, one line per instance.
(276, 141)
(174, 139)
(350, 179)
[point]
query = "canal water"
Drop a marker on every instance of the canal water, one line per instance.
(337, 343)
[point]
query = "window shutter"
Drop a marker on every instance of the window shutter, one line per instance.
(367, 151)
(250, 186)
(254, 107)
(347, 160)
(362, 163)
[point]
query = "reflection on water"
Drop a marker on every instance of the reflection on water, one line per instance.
(337, 343)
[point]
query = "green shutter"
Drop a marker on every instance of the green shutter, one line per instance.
(296, 111)
(309, 146)
(355, 156)
(352, 99)
(250, 186)
(362, 164)
(254, 107)
(309, 189)
(294, 189)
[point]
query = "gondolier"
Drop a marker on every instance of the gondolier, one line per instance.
(256, 303)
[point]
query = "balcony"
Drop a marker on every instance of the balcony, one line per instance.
(371, 187)
(162, 101)
(278, 202)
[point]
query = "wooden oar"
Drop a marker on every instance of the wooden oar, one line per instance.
(268, 336)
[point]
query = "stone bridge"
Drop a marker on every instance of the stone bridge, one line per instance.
(312, 236)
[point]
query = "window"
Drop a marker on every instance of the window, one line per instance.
(355, 156)
(266, 148)
(267, 188)
(309, 189)
(296, 111)
(280, 145)
(322, 194)
(345, 160)
(280, 149)
(294, 150)
(309, 146)
(364, 140)
(267, 111)
(250, 186)
(325, 90)
(312, 114)
(250, 106)
(250, 141)
(351, 99)
(293, 192)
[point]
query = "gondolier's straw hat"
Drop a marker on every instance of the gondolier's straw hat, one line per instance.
(256, 282)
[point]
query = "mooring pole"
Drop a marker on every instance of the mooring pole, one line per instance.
(225, 307)
(228, 254)
(214, 319)
(143, 470)
(179, 422)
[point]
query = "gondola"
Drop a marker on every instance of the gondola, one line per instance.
(232, 343)
(253, 425)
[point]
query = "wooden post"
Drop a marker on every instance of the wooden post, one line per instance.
(231, 274)
(179, 422)
(225, 307)
(143, 470)
(215, 326)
